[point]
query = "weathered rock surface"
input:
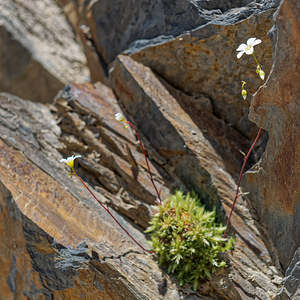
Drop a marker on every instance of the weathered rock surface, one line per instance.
(39, 53)
(113, 163)
(191, 44)
(63, 215)
(57, 241)
(39, 185)
(291, 282)
(35, 266)
(153, 22)
(18, 279)
(274, 182)
(175, 137)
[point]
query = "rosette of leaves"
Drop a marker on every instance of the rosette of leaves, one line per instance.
(187, 239)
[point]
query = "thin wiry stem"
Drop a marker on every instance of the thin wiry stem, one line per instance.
(239, 182)
(256, 59)
(107, 210)
(147, 163)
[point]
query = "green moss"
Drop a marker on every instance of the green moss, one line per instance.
(187, 239)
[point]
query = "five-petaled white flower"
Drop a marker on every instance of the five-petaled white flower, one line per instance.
(248, 49)
(119, 117)
(70, 160)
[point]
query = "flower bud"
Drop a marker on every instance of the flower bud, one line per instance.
(262, 74)
(244, 94)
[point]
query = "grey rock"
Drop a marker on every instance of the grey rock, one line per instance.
(166, 126)
(39, 53)
(190, 44)
(149, 22)
(291, 283)
(273, 182)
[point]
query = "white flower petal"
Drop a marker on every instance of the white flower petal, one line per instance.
(239, 55)
(251, 41)
(119, 117)
(70, 160)
(256, 42)
(242, 47)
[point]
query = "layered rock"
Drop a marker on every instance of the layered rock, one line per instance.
(190, 157)
(59, 215)
(274, 182)
(31, 146)
(291, 284)
(191, 44)
(189, 114)
(39, 53)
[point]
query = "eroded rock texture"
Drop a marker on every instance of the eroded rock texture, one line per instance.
(178, 80)
(190, 157)
(31, 146)
(39, 184)
(39, 54)
(291, 282)
(191, 44)
(274, 182)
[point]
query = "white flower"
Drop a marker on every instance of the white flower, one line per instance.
(70, 160)
(248, 49)
(119, 117)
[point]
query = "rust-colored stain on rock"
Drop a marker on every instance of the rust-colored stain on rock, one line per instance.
(276, 108)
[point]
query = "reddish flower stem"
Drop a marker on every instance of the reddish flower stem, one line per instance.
(239, 182)
(148, 166)
(107, 210)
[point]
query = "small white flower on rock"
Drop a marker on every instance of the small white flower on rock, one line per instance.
(119, 117)
(70, 160)
(247, 48)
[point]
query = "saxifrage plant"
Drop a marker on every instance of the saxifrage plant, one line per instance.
(187, 239)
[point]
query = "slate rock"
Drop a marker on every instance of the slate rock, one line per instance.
(39, 53)
(190, 44)
(173, 135)
(273, 182)
(291, 283)
(61, 216)
(55, 216)
(152, 22)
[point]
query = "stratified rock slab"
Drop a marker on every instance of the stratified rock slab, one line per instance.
(39, 53)
(191, 44)
(61, 215)
(291, 283)
(175, 137)
(274, 182)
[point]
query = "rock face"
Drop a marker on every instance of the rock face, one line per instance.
(31, 146)
(191, 44)
(17, 277)
(64, 216)
(291, 282)
(170, 67)
(274, 182)
(189, 156)
(39, 54)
